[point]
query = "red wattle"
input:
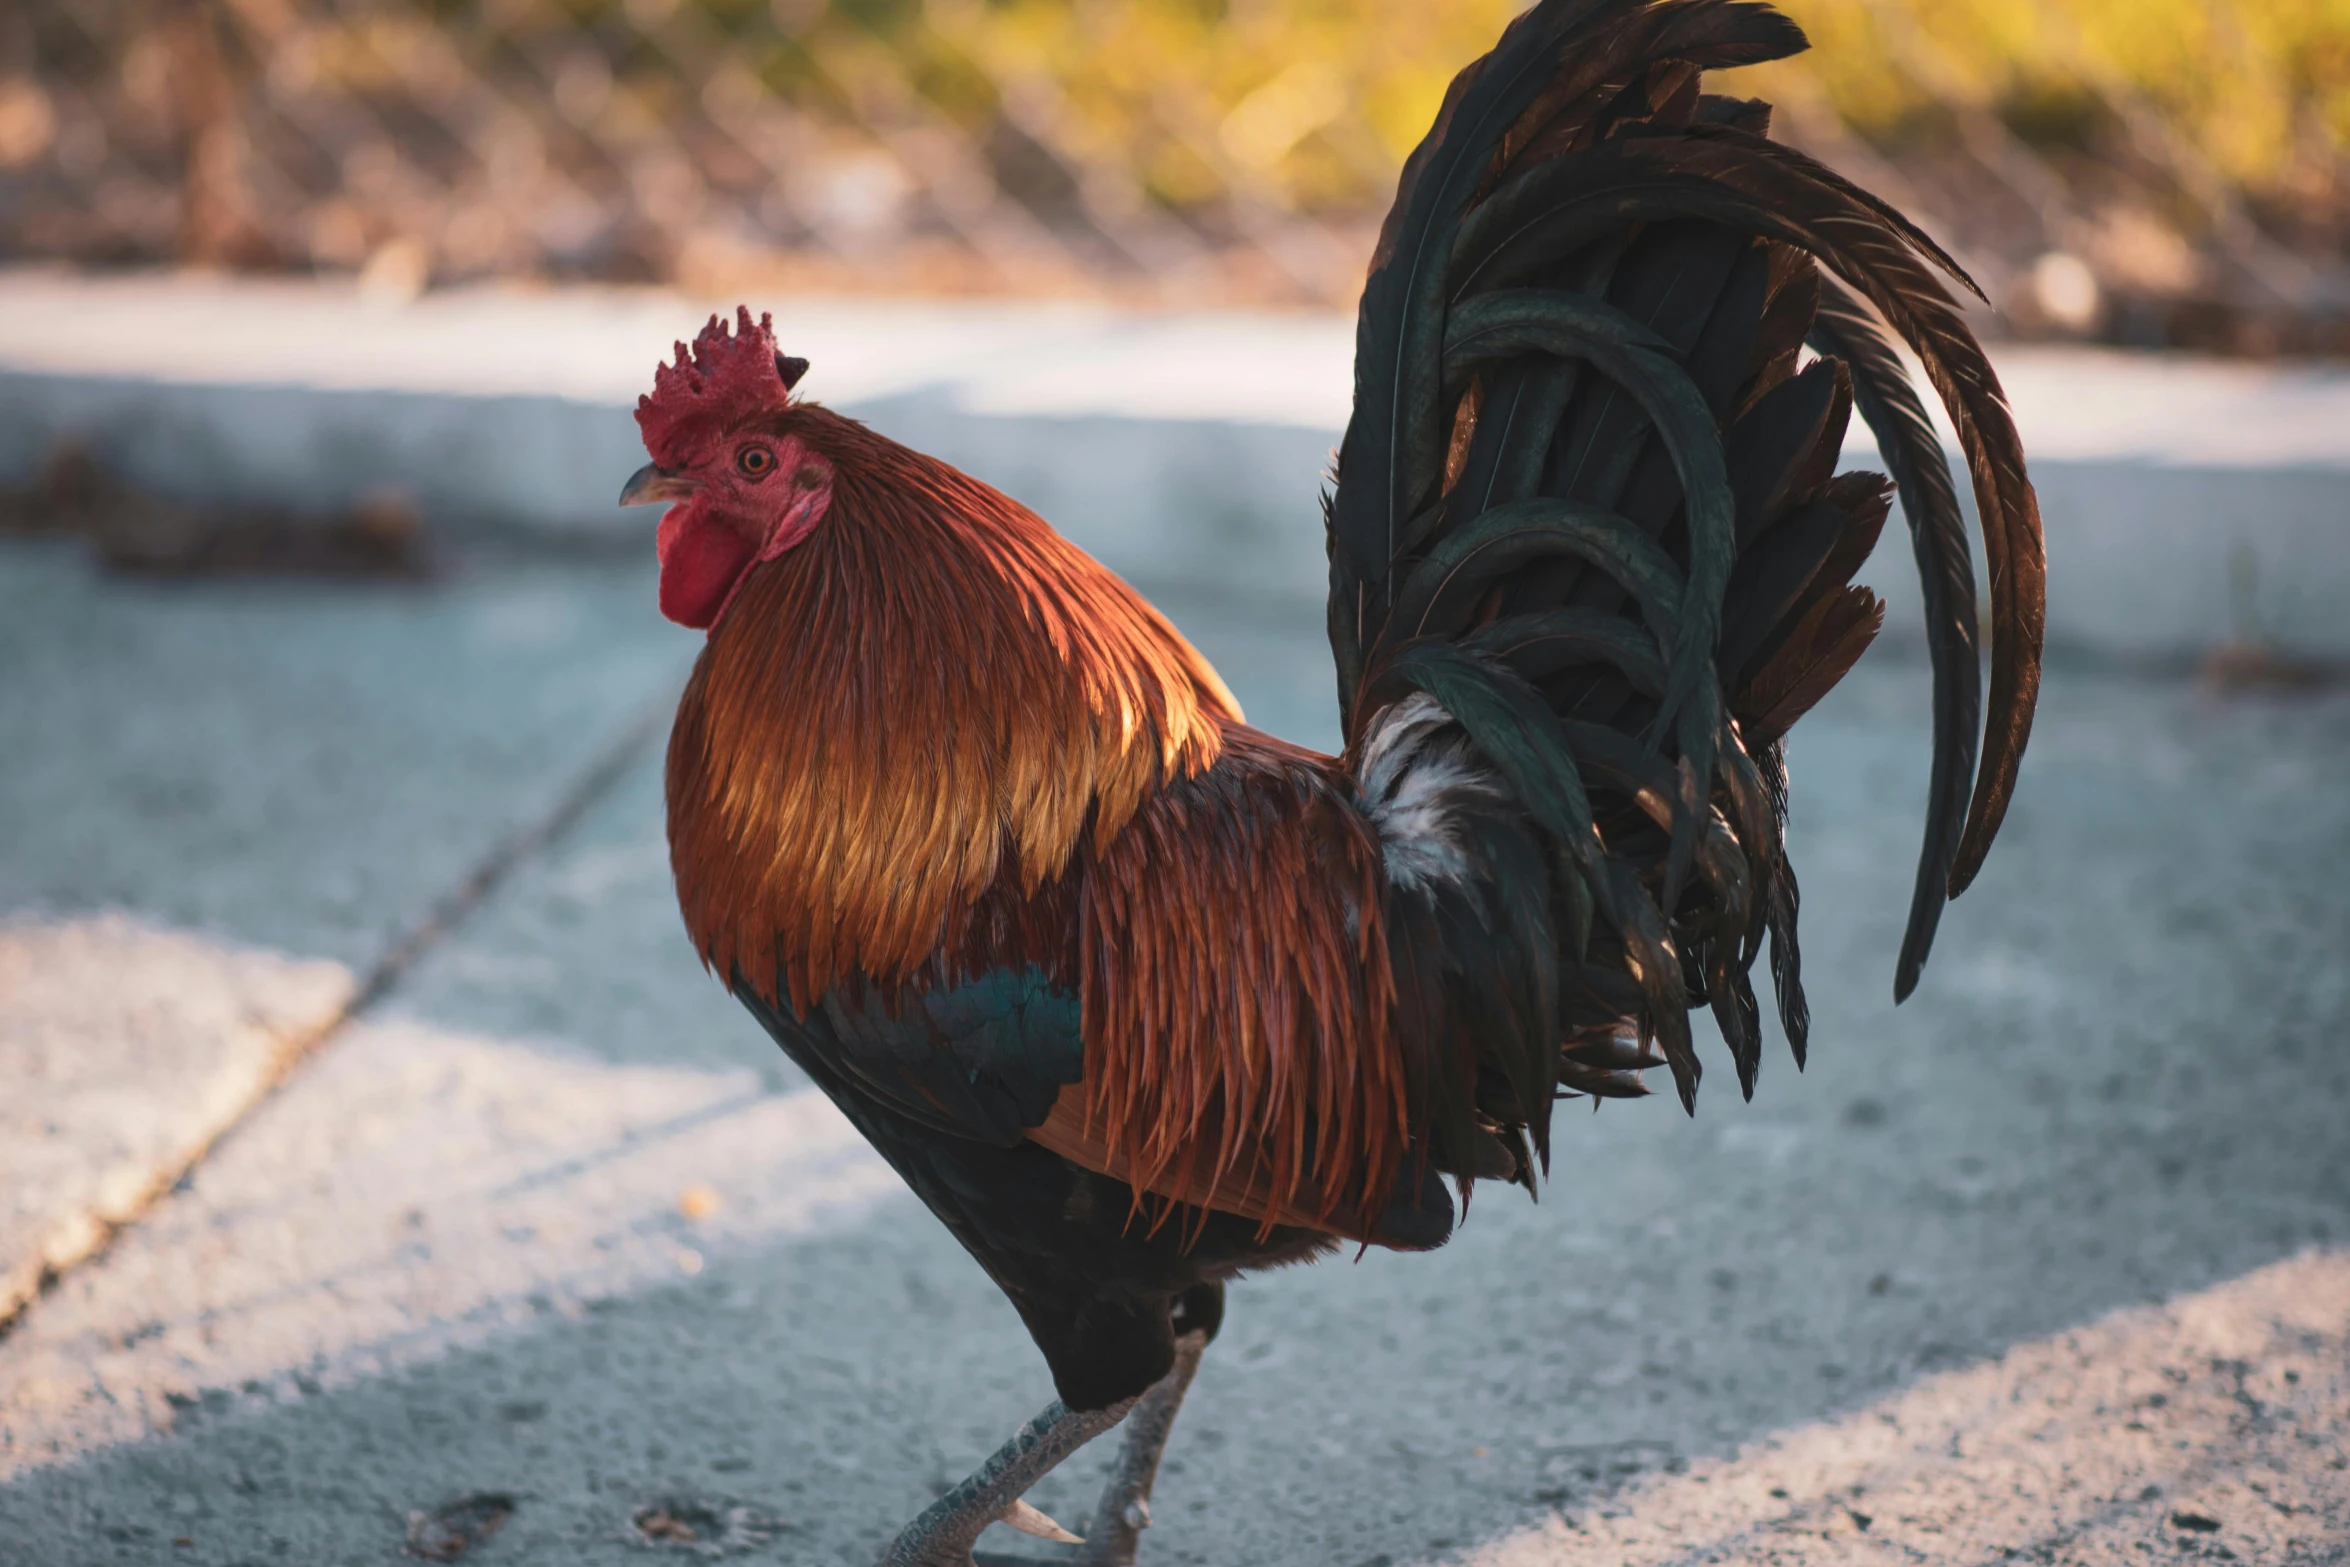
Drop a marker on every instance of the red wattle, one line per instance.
(700, 563)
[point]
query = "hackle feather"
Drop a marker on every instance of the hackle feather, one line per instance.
(934, 691)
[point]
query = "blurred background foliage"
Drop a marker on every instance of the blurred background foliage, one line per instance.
(2141, 171)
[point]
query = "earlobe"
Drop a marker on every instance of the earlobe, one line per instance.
(807, 509)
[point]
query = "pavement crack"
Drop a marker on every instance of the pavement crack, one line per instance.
(445, 914)
(517, 850)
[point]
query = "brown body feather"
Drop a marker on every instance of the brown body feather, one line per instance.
(1237, 998)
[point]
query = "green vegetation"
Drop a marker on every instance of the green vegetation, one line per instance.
(2190, 154)
(1313, 102)
(2254, 92)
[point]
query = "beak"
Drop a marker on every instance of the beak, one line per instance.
(653, 483)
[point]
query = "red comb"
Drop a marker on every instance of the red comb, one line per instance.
(723, 376)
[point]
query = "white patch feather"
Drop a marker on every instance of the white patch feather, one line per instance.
(1418, 776)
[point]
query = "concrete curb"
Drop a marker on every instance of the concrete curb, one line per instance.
(2188, 503)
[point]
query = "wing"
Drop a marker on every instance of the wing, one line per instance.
(1197, 1010)
(1239, 1053)
(982, 1058)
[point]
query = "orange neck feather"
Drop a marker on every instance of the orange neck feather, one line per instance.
(934, 692)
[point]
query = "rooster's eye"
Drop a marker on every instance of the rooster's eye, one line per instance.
(756, 462)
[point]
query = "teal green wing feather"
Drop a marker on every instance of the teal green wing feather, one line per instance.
(982, 1059)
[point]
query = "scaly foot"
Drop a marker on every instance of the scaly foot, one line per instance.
(1115, 1532)
(949, 1527)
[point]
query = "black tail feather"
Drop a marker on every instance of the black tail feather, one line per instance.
(1588, 504)
(1895, 413)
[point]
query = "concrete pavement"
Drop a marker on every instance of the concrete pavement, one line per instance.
(2189, 503)
(246, 764)
(2044, 1263)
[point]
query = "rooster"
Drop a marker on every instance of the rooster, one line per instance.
(1137, 998)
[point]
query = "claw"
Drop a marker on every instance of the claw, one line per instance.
(1029, 1520)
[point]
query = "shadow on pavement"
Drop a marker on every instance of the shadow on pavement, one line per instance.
(2122, 1082)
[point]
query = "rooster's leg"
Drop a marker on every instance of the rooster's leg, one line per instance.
(1125, 1510)
(944, 1534)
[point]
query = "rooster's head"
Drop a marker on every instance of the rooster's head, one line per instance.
(740, 487)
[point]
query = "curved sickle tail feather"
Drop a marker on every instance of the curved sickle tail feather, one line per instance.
(1590, 558)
